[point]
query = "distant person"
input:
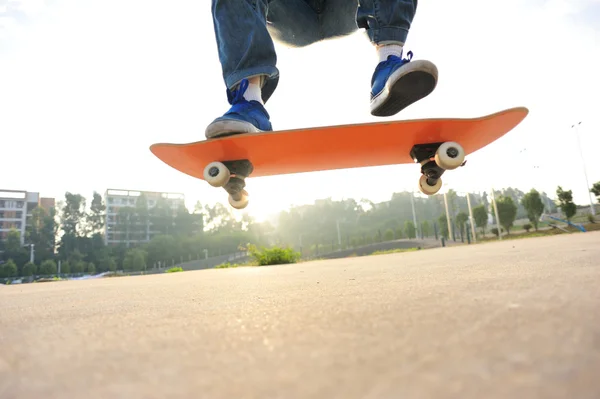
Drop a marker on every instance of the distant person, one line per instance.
(245, 29)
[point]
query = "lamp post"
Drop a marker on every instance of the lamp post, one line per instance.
(587, 186)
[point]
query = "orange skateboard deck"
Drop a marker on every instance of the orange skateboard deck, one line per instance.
(437, 144)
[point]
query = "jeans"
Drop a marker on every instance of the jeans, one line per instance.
(245, 30)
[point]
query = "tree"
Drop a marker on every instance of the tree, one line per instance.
(443, 222)
(13, 249)
(410, 229)
(461, 221)
(29, 269)
(426, 229)
(481, 217)
(596, 190)
(95, 217)
(72, 221)
(47, 268)
(135, 260)
(8, 269)
(532, 202)
(40, 232)
(507, 212)
(565, 200)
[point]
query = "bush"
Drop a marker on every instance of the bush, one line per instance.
(47, 268)
(174, 270)
(226, 265)
(29, 269)
(495, 231)
(591, 218)
(273, 256)
(527, 227)
(8, 269)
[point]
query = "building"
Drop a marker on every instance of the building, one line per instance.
(117, 231)
(16, 207)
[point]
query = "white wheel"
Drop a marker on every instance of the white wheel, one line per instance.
(449, 156)
(426, 188)
(240, 203)
(216, 174)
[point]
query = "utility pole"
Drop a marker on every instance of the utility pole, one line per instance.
(448, 216)
(471, 216)
(496, 213)
(587, 185)
(412, 203)
(31, 253)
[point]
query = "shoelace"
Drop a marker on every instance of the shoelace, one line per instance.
(237, 96)
(405, 60)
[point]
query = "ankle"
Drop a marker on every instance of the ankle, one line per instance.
(384, 51)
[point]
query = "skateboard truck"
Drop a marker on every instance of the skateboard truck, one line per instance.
(230, 175)
(435, 159)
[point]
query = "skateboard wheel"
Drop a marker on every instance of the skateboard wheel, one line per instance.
(449, 155)
(241, 202)
(216, 174)
(426, 188)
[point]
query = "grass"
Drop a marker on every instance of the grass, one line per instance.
(174, 270)
(395, 251)
(228, 265)
(542, 233)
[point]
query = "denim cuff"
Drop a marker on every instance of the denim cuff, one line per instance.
(387, 35)
(271, 80)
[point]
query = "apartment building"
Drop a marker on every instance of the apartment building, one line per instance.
(16, 207)
(136, 231)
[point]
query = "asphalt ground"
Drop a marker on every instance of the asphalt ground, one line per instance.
(512, 319)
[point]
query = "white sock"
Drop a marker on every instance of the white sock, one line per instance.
(253, 92)
(389, 49)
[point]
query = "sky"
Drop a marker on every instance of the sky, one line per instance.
(86, 87)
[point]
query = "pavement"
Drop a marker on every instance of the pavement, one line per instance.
(510, 319)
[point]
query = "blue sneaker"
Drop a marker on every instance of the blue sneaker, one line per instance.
(243, 117)
(397, 83)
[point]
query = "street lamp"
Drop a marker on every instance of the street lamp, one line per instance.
(587, 186)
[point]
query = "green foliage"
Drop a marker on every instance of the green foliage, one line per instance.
(527, 227)
(591, 218)
(178, 235)
(389, 235)
(481, 217)
(596, 190)
(77, 267)
(8, 269)
(426, 229)
(494, 231)
(443, 223)
(532, 202)
(226, 265)
(273, 256)
(565, 200)
(91, 268)
(507, 212)
(95, 218)
(174, 270)
(461, 221)
(47, 268)
(135, 260)
(29, 269)
(395, 251)
(409, 228)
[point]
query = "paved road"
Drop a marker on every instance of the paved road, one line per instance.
(518, 319)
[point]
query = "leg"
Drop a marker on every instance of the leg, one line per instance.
(396, 82)
(246, 51)
(294, 22)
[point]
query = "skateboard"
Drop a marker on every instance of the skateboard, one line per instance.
(438, 145)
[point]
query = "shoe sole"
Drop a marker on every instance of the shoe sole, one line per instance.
(405, 86)
(225, 127)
